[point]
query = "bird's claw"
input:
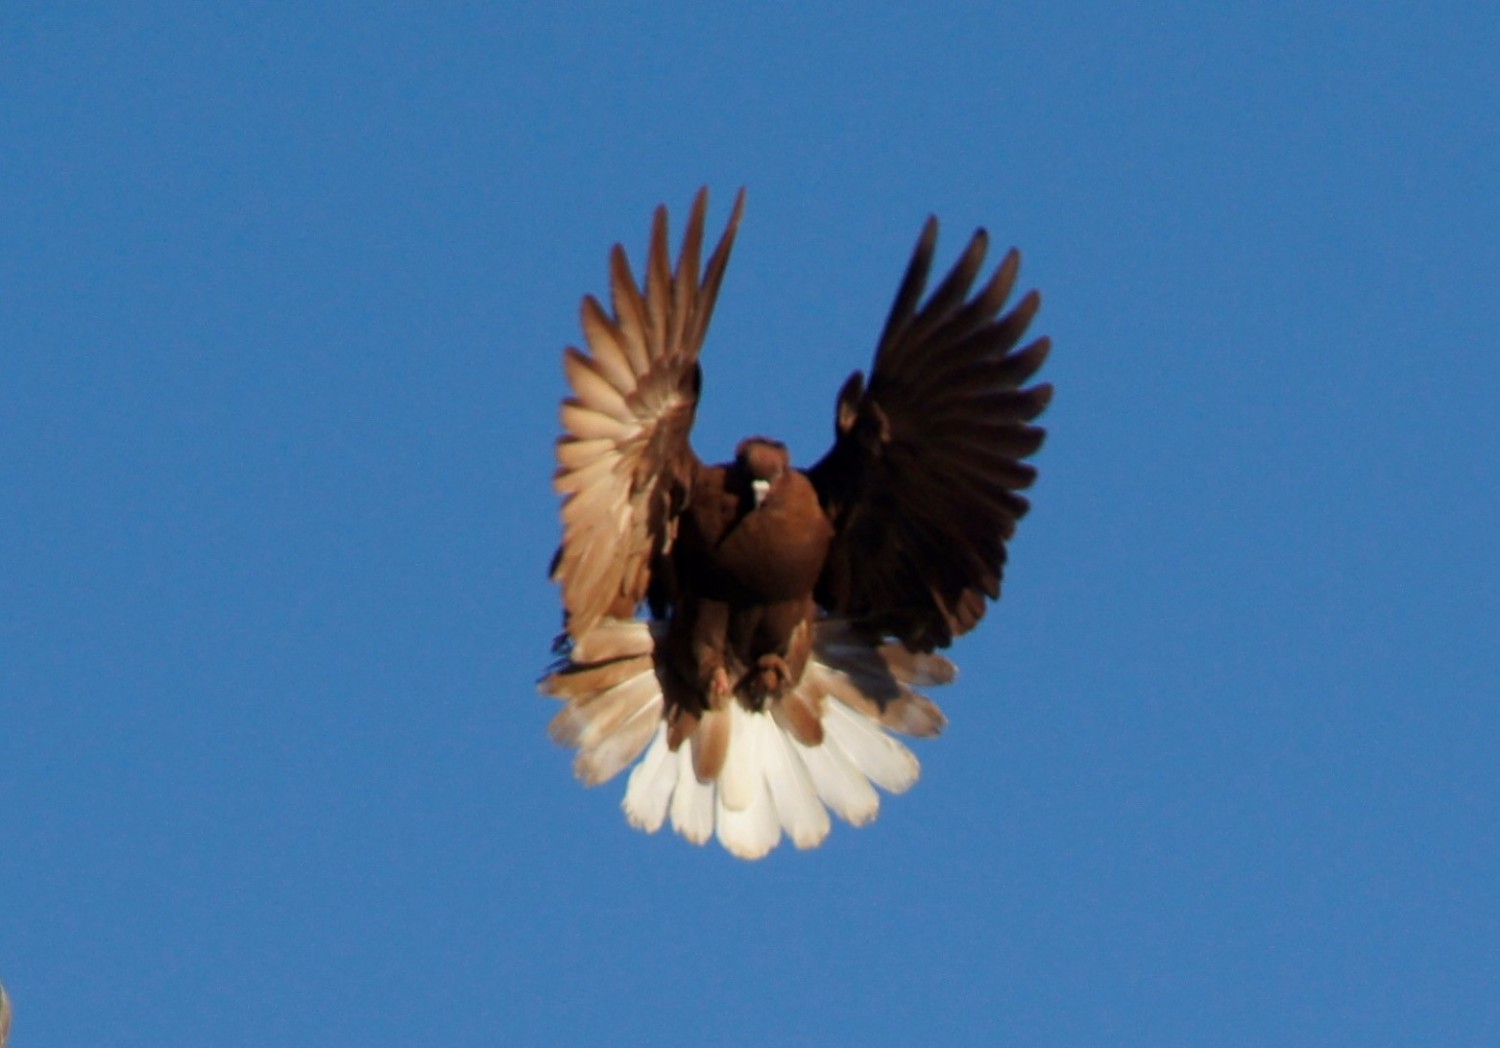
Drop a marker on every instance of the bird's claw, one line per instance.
(719, 687)
(772, 675)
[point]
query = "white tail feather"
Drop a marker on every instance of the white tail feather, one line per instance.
(796, 798)
(770, 782)
(887, 763)
(605, 758)
(616, 706)
(692, 803)
(651, 784)
(839, 783)
(753, 829)
(742, 775)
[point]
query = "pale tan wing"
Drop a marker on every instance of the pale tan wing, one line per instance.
(922, 481)
(624, 464)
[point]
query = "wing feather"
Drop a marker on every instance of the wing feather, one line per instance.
(624, 464)
(922, 480)
(607, 342)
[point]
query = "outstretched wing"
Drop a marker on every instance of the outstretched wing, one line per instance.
(624, 464)
(922, 478)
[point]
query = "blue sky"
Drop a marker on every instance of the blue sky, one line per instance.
(282, 298)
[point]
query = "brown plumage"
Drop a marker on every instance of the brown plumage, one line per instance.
(792, 612)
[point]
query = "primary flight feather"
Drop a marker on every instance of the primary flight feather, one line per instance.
(750, 634)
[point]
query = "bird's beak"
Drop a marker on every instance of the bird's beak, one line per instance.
(761, 488)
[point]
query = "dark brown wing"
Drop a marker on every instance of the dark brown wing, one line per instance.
(922, 478)
(624, 465)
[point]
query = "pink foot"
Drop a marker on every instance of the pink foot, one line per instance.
(772, 675)
(719, 687)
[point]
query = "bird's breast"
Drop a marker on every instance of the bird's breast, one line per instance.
(773, 552)
(777, 550)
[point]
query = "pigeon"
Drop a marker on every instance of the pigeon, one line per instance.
(749, 638)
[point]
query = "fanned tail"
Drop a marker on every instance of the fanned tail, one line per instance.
(825, 745)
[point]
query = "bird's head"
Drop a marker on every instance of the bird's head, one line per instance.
(763, 462)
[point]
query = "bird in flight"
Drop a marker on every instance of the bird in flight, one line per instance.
(749, 635)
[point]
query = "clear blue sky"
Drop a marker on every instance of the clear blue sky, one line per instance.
(282, 299)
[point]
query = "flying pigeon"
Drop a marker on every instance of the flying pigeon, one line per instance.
(749, 634)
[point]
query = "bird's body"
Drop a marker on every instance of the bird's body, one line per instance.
(753, 539)
(792, 611)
